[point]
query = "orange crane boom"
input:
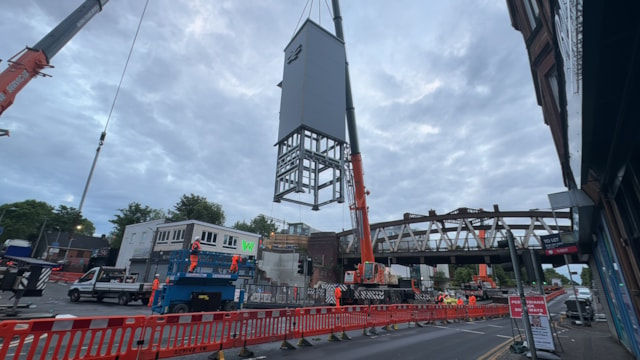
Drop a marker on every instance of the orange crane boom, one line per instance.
(28, 63)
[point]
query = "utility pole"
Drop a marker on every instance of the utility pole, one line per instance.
(536, 268)
(523, 300)
(575, 293)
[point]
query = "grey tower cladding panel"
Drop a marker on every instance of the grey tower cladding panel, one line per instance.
(313, 84)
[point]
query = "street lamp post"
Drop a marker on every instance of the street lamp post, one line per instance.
(71, 237)
(5, 210)
(35, 248)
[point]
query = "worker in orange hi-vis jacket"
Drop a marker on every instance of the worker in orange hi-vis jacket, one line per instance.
(234, 264)
(472, 300)
(338, 295)
(155, 286)
(195, 251)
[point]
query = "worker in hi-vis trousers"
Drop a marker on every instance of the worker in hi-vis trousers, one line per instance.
(195, 251)
(155, 286)
(338, 295)
(234, 264)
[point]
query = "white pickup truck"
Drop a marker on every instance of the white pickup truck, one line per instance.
(108, 282)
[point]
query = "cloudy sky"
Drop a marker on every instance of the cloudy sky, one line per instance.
(443, 95)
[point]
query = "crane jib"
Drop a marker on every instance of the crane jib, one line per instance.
(24, 75)
(83, 20)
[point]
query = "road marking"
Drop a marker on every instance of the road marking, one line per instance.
(27, 339)
(496, 326)
(504, 336)
(496, 352)
(473, 331)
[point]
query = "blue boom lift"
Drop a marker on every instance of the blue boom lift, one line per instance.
(210, 288)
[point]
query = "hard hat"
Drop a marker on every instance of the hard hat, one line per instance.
(197, 238)
(157, 275)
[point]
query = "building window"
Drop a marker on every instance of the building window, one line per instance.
(209, 237)
(230, 242)
(552, 78)
(532, 12)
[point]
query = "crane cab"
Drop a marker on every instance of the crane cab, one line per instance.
(369, 273)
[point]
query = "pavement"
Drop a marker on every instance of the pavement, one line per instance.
(574, 342)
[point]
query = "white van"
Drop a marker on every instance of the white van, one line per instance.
(584, 293)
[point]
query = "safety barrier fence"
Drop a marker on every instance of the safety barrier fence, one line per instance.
(166, 336)
(555, 294)
(64, 276)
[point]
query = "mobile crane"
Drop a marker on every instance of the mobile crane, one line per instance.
(28, 63)
(373, 280)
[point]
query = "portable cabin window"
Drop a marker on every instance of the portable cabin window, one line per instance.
(178, 236)
(209, 237)
(163, 237)
(230, 242)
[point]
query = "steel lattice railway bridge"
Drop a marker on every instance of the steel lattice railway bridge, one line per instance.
(463, 236)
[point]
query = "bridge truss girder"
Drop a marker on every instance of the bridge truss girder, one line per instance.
(460, 230)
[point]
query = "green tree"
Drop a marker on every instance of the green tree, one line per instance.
(70, 219)
(551, 273)
(194, 207)
(586, 277)
(504, 278)
(259, 225)
(28, 219)
(23, 220)
(462, 275)
(133, 214)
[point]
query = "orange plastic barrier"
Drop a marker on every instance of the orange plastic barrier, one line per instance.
(451, 312)
(62, 276)
(490, 311)
(174, 335)
(402, 314)
(461, 313)
(72, 338)
(424, 312)
(496, 310)
(314, 321)
(555, 294)
(329, 320)
(263, 326)
(441, 312)
(504, 310)
(169, 336)
(380, 315)
(351, 318)
(475, 312)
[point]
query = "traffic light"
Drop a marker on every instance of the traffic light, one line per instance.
(309, 266)
(300, 266)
